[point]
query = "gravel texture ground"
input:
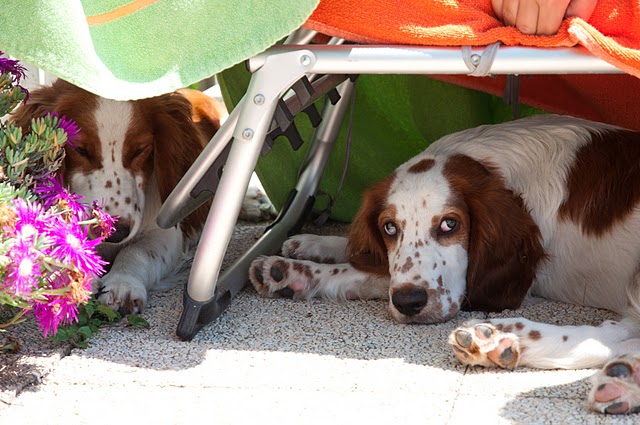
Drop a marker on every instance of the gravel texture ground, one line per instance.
(285, 362)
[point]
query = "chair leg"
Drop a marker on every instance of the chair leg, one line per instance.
(196, 313)
(204, 297)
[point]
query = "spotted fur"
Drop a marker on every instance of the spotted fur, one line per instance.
(482, 219)
(130, 155)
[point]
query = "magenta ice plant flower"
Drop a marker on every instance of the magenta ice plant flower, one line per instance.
(23, 272)
(13, 67)
(106, 224)
(53, 312)
(53, 193)
(72, 245)
(48, 235)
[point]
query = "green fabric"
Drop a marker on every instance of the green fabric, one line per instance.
(156, 49)
(395, 118)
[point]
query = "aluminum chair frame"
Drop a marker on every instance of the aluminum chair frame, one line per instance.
(275, 72)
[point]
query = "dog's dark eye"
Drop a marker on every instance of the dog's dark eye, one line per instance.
(138, 152)
(448, 225)
(82, 151)
(390, 228)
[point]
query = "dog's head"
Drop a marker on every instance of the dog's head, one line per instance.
(449, 235)
(129, 154)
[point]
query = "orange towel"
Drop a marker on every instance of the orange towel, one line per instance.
(612, 34)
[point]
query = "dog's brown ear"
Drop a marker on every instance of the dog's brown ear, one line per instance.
(178, 141)
(365, 246)
(505, 245)
(40, 102)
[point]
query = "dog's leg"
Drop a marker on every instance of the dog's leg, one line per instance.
(319, 249)
(302, 279)
(508, 343)
(138, 267)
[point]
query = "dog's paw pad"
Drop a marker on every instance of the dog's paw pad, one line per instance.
(616, 388)
(483, 344)
(277, 277)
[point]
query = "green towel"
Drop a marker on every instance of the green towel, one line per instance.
(132, 49)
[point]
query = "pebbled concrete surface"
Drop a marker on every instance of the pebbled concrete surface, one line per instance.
(285, 362)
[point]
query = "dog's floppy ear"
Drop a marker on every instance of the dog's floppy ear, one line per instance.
(505, 245)
(178, 141)
(365, 246)
(40, 102)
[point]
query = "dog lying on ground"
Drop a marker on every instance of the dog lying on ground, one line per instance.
(131, 155)
(546, 206)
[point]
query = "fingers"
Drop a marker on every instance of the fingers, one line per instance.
(541, 17)
(581, 8)
(550, 17)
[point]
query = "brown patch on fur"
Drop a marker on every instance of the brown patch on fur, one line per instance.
(421, 166)
(519, 326)
(303, 269)
(408, 265)
(321, 260)
(604, 182)
(366, 246)
(504, 242)
(534, 335)
(294, 246)
(565, 338)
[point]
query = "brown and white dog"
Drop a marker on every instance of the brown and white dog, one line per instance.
(131, 155)
(546, 206)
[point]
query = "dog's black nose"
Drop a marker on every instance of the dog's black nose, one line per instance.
(409, 300)
(121, 233)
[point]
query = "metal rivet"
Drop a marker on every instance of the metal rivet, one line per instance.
(258, 99)
(475, 59)
(247, 133)
(305, 60)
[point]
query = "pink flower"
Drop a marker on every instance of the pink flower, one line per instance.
(53, 312)
(52, 192)
(106, 223)
(71, 245)
(23, 272)
(13, 67)
(72, 130)
(30, 219)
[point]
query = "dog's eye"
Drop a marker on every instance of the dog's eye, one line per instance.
(138, 152)
(82, 151)
(390, 228)
(448, 225)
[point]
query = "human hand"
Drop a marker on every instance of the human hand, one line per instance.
(541, 17)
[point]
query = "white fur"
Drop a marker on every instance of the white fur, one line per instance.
(533, 157)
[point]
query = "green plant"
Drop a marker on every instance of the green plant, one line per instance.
(91, 317)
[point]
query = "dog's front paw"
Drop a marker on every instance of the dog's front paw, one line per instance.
(483, 344)
(319, 249)
(124, 294)
(616, 388)
(279, 277)
(256, 206)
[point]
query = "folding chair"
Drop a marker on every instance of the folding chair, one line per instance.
(286, 80)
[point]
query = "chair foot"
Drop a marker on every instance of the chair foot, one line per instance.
(196, 314)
